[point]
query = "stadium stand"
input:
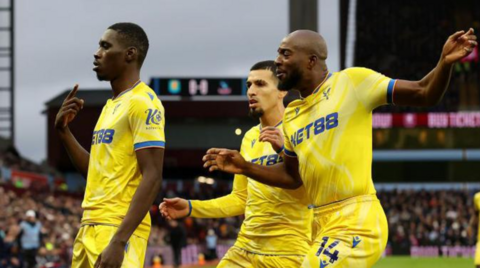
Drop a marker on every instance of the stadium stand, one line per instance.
(408, 45)
(417, 217)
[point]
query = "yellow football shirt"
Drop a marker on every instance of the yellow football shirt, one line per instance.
(134, 120)
(277, 221)
(476, 201)
(330, 132)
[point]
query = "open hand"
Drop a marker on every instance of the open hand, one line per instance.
(174, 208)
(274, 136)
(225, 160)
(459, 45)
(112, 256)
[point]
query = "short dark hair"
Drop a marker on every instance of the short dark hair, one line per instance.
(265, 65)
(133, 35)
(268, 65)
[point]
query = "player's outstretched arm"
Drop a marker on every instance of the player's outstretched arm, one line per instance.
(230, 205)
(174, 208)
(70, 108)
(283, 175)
(150, 161)
(429, 91)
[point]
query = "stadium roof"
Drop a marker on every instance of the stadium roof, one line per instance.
(4, 143)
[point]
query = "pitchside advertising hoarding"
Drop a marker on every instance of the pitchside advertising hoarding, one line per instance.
(227, 87)
(429, 120)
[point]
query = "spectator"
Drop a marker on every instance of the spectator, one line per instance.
(30, 238)
(177, 240)
(416, 217)
(211, 245)
(428, 218)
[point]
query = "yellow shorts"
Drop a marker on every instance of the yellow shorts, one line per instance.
(350, 233)
(239, 258)
(91, 240)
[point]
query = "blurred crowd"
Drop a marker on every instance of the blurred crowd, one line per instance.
(429, 218)
(58, 218)
(10, 158)
(404, 40)
(416, 218)
(59, 215)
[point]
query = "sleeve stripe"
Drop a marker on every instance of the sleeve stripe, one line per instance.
(390, 88)
(144, 144)
(163, 147)
(189, 208)
(289, 153)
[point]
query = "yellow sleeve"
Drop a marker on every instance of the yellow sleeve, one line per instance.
(230, 205)
(476, 201)
(287, 144)
(147, 121)
(372, 89)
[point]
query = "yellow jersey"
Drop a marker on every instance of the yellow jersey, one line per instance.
(134, 120)
(330, 131)
(277, 221)
(476, 202)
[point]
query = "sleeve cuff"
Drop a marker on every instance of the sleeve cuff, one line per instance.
(147, 144)
(390, 89)
(289, 153)
(280, 150)
(189, 208)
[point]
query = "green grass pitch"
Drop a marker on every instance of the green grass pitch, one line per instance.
(408, 262)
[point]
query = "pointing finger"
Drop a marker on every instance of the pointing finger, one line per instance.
(73, 92)
(78, 101)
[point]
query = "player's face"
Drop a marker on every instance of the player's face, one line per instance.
(110, 57)
(288, 64)
(263, 94)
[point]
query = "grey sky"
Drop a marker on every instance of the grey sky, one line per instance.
(56, 39)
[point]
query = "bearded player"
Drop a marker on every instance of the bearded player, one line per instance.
(328, 143)
(274, 217)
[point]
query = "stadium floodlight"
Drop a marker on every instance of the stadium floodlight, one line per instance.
(202, 179)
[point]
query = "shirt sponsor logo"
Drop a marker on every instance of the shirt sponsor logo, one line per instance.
(314, 128)
(154, 117)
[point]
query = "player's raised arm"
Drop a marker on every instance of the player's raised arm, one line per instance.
(283, 175)
(70, 108)
(429, 91)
